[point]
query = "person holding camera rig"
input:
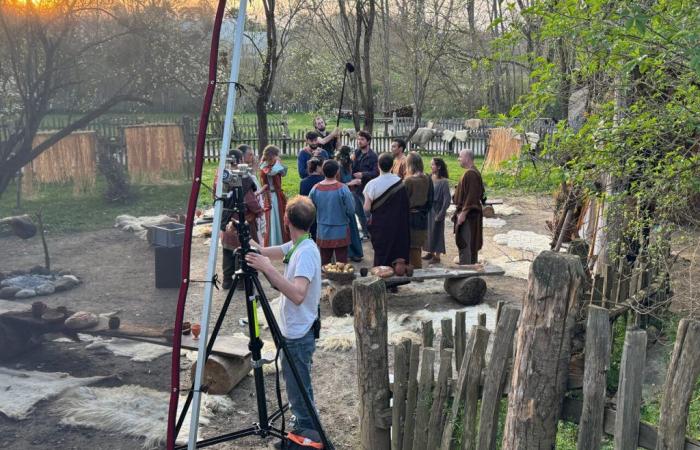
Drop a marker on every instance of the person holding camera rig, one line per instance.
(300, 285)
(229, 235)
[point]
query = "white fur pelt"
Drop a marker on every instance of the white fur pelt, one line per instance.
(506, 210)
(137, 225)
(422, 136)
(524, 240)
(20, 390)
(132, 410)
(136, 351)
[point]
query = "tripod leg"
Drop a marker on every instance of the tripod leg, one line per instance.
(255, 345)
(280, 342)
(210, 346)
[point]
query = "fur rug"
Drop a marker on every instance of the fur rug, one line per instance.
(21, 390)
(136, 351)
(132, 410)
(524, 240)
(137, 225)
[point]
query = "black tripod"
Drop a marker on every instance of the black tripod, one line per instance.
(254, 294)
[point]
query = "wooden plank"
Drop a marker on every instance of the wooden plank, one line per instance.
(370, 317)
(495, 378)
(441, 394)
(467, 391)
(608, 275)
(411, 397)
(499, 308)
(597, 290)
(481, 319)
(446, 340)
(427, 333)
(542, 354)
(460, 337)
(438, 273)
(571, 412)
(597, 363)
(629, 394)
(231, 346)
(424, 400)
(681, 377)
(402, 355)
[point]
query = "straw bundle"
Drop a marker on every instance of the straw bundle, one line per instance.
(72, 159)
(504, 143)
(154, 150)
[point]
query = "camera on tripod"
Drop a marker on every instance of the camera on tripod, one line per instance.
(234, 184)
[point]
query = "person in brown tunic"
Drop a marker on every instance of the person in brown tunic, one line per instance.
(419, 187)
(468, 217)
(398, 147)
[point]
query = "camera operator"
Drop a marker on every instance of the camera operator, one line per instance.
(229, 237)
(300, 286)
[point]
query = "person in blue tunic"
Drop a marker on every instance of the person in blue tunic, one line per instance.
(355, 251)
(335, 206)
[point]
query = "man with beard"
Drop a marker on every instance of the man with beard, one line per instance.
(312, 149)
(329, 141)
(364, 169)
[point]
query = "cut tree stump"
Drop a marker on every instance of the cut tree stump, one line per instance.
(221, 374)
(541, 363)
(467, 291)
(340, 298)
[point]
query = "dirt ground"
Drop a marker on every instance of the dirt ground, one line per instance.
(117, 271)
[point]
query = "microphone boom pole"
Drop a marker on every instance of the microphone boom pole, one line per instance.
(348, 68)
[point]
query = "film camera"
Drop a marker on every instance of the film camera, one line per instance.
(234, 184)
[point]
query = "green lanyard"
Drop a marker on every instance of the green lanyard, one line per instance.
(299, 240)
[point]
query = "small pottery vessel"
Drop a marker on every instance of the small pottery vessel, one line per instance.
(399, 266)
(196, 329)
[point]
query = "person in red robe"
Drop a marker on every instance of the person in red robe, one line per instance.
(271, 172)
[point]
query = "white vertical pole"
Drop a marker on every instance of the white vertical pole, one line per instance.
(218, 207)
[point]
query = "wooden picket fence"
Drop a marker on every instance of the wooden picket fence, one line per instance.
(534, 366)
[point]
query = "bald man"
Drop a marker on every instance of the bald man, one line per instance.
(468, 217)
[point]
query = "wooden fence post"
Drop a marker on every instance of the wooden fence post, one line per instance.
(369, 298)
(541, 364)
(411, 398)
(460, 337)
(629, 394)
(496, 372)
(467, 391)
(597, 363)
(424, 399)
(427, 332)
(441, 394)
(402, 355)
(683, 371)
(446, 340)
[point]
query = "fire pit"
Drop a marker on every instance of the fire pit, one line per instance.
(35, 282)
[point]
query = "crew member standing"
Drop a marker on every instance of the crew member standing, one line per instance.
(328, 141)
(468, 217)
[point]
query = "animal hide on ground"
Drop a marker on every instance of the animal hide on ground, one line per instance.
(524, 240)
(136, 351)
(138, 225)
(506, 210)
(21, 390)
(132, 410)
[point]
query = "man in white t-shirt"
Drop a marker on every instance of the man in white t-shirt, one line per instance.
(300, 286)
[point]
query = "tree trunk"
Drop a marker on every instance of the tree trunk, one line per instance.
(540, 367)
(261, 114)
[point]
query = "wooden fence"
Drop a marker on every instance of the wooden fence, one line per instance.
(534, 366)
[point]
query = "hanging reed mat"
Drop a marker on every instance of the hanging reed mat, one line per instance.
(72, 159)
(154, 151)
(504, 143)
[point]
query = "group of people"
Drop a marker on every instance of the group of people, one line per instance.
(346, 196)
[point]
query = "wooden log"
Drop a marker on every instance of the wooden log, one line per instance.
(467, 391)
(402, 356)
(594, 378)
(411, 398)
(542, 353)
(221, 373)
(681, 377)
(340, 299)
(369, 298)
(499, 309)
(427, 333)
(424, 400)
(495, 378)
(467, 291)
(481, 319)
(629, 394)
(446, 340)
(441, 394)
(460, 337)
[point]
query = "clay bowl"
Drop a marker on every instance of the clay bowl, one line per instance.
(53, 316)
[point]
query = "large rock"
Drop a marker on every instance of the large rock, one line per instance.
(46, 289)
(63, 284)
(467, 291)
(25, 293)
(9, 292)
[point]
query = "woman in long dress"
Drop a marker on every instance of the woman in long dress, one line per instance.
(435, 244)
(420, 199)
(271, 173)
(355, 251)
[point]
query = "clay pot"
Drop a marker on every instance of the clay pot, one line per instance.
(364, 271)
(196, 329)
(186, 328)
(399, 267)
(114, 323)
(38, 308)
(409, 270)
